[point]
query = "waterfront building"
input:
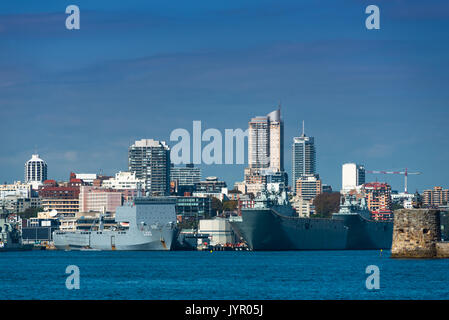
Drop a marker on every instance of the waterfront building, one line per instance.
(435, 197)
(63, 197)
(241, 187)
(87, 178)
(15, 203)
(40, 229)
(210, 185)
(124, 181)
(24, 190)
(353, 176)
(51, 190)
(185, 176)
(150, 160)
(98, 182)
(64, 207)
(379, 202)
(219, 231)
(303, 156)
(99, 199)
(404, 199)
(35, 171)
(304, 208)
(193, 208)
(308, 186)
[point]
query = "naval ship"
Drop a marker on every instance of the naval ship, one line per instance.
(272, 224)
(146, 223)
(10, 235)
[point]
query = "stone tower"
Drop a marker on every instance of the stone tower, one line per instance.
(416, 233)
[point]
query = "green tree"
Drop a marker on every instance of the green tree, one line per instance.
(217, 206)
(229, 205)
(326, 203)
(30, 213)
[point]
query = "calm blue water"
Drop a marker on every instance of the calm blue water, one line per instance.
(220, 275)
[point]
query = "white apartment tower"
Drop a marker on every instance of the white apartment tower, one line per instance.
(35, 171)
(353, 175)
(150, 160)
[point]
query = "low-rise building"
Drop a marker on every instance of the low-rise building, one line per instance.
(219, 231)
(98, 199)
(23, 190)
(304, 207)
(193, 208)
(64, 207)
(124, 180)
(40, 229)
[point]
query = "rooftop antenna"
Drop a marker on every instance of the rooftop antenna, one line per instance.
(303, 131)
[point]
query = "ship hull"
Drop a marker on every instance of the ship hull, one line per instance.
(113, 240)
(366, 234)
(22, 247)
(266, 229)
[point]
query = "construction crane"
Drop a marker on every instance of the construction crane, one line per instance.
(405, 173)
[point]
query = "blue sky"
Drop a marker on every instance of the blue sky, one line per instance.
(140, 69)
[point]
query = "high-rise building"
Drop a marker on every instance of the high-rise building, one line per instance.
(266, 142)
(303, 156)
(276, 141)
(35, 171)
(353, 175)
(150, 160)
(265, 153)
(378, 198)
(435, 197)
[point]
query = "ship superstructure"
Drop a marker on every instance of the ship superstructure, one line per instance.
(147, 223)
(10, 234)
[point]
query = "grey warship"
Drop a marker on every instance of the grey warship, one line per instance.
(273, 225)
(10, 235)
(147, 223)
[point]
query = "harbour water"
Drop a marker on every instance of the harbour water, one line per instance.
(220, 275)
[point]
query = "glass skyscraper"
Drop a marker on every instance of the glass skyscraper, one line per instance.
(303, 157)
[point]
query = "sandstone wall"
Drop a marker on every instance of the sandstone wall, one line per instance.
(442, 249)
(416, 233)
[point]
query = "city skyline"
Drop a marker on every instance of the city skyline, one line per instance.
(369, 97)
